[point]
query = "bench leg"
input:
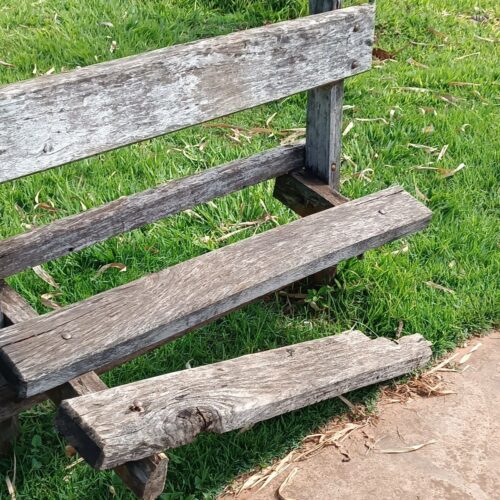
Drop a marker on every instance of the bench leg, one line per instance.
(9, 431)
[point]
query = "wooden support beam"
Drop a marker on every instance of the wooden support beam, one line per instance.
(43, 353)
(145, 477)
(324, 117)
(305, 194)
(70, 234)
(56, 119)
(130, 421)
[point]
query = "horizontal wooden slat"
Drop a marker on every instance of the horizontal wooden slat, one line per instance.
(57, 119)
(43, 353)
(131, 421)
(70, 234)
(145, 477)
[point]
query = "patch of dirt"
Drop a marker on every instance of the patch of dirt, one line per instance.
(436, 436)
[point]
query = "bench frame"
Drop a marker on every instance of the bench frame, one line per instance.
(307, 181)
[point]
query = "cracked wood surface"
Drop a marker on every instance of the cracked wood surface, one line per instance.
(171, 410)
(56, 119)
(45, 352)
(144, 477)
(73, 233)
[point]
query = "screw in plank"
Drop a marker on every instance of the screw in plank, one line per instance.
(66, 336)
(382, 211)
(333, 167)
(354, 64)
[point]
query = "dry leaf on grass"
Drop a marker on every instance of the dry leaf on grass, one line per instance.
(428, 130)
(107, 24)
(467, 356)
(46, 300)
(408, 449)
(420, 195)
(437, 286)
(45, 276)
(114, 265)
(427, 149)
(10, 488)
(6, 64)
(445, 172)
(463, 84)
(465, 56)
(412, 62)
(348, 128)
(383, 55)
(442, 152)
(281, 494)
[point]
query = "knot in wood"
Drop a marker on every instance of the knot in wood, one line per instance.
(66, 336)
(136, 406)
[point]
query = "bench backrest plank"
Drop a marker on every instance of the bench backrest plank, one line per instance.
(53, 120)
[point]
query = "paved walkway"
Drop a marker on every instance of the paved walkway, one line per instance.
(462, 463)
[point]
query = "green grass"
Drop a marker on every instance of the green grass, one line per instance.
(458, 251)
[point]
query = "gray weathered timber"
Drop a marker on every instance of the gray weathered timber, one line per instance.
(145, 477)
(324, 118)
(306, 194)
(43, 353)
(14, 309)
(70, 234)
(57, 119)
(134, 420)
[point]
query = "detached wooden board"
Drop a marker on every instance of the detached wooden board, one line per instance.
(70, 234)
(45, 352)
(132, 421)
(57, 119)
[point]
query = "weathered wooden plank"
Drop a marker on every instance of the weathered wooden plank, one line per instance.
(324, 118)
(131, 421)
(48, 351)
(70, 234)
(145, 477)
(57, 119)
(306, 194)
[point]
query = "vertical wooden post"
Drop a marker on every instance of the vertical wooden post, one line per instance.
(9, 429)
(324, 120)
(324, 133)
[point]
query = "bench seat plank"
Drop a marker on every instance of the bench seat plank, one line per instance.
(45, 352)
(52, 120)
(134, 420)
(73, 233)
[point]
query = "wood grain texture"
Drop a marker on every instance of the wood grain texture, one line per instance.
(133, 420)
(45, 352)
(145, 477)
(57, 119)
(14, 309)
(70, 234)
(324, 118)
(305, 194)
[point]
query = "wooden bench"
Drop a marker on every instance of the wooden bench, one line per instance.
(53, 120)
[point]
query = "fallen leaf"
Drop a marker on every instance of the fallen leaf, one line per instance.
(412, 62)
(383, 55)
(413, 89)
(463, 84)
(465, 56)
(50, 71)
(437, 286)
(383, 120)
(10, 488)
(46, 206)
(428, 130)
(45, 276)
(445, 172)
(438, 34)
(113, 46)
(464, 127)
(288, 479)
(114, 265)
(450, 99)
(427, 149)
(442, 152)
(420, 195)
(6, 64)
(428, 109)
(408, 449)
(107, 24)
(484, 39)
(270, 119)
(46, 300)
(348, 128)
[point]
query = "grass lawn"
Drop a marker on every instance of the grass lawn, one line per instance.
(440, 91)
